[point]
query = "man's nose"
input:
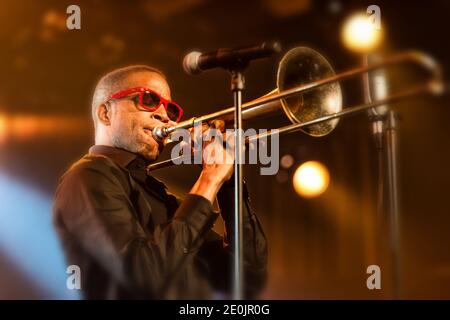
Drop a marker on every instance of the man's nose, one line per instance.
(161, 114)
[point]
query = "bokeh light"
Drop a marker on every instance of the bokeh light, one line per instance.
(287, 161)
(3, 128)
(360, 33)
(311, 179)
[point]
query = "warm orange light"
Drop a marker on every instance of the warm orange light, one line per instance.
(3, 128)
(26, 127)
(360, 33)
(311, 179)
(287, 161)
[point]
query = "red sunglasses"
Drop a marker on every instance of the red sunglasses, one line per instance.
(150, 101)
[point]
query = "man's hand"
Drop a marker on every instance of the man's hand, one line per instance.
(218, 162)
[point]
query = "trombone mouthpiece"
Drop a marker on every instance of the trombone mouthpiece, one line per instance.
(160, 133)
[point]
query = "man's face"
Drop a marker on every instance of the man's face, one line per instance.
(131, 126)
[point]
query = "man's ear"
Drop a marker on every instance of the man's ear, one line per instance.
(104, 114)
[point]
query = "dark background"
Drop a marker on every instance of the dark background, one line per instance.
(319, 248)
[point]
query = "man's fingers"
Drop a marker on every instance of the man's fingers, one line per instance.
(218, 124)
(252, 145)
(196, 133)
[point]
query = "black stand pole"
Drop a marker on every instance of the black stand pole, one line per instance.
(235, 61)
(394, 215)
(237, 86)
(385, 124)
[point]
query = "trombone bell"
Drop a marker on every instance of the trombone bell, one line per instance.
(301, 66)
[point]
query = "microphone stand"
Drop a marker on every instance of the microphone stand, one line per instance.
(394, 214)
(384, 123)
(237, 86)
(235, 61)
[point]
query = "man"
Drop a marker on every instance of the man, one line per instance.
(129, 236)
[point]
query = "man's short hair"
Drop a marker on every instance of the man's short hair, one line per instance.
(115, 81)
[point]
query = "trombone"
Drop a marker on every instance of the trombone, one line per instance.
(309, 93)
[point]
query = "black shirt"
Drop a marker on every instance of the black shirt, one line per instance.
(132, 239)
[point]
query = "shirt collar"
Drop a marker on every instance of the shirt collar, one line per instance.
(133, 162)
(120, 156)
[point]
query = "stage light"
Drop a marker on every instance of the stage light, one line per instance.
(3, 128)
(28, 238)
(360, 33)
(311, 179)
(27, 127)
(282, 176)
(287, 161)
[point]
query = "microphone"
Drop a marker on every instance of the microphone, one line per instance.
(196, 62)
(377, 89)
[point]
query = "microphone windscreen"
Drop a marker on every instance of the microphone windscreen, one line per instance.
(190, 63)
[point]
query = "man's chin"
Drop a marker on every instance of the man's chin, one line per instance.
(151, 155)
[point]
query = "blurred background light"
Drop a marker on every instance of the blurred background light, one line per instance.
(282, 176)
(24, 127)
(311, 179)
(27, 237)
(360, 34)
(2, 128)
(287, 161)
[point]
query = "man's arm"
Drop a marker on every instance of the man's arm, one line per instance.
(93, 207)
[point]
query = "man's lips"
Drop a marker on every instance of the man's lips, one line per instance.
(149, 131)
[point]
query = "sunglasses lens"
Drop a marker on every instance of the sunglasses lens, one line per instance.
(150, 99)
(173, 111)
